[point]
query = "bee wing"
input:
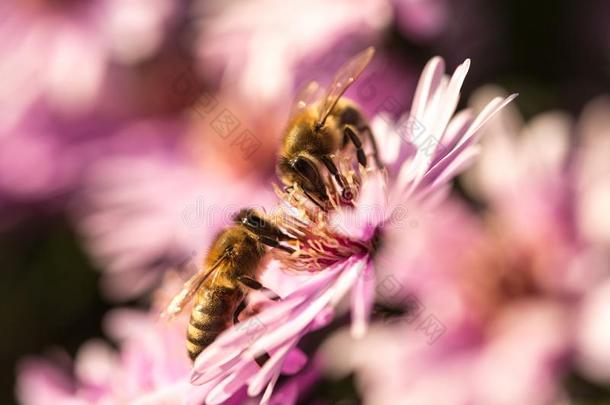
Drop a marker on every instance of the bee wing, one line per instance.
(306, 96)
(189, 289)
(345, 76)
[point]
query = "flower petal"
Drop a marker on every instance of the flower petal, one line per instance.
(231, 384)
(429, 81)
(271, 368)
(363, 296)
(212, 362)
(492, 108)
(451, 98)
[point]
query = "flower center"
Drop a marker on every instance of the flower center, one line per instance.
(317, 246)
(318, 242)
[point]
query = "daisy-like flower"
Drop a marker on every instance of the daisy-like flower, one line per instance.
(345, 247)
(522, 305)
(147, 365)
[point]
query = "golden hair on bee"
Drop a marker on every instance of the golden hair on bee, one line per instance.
(231, 268)
(322, 128)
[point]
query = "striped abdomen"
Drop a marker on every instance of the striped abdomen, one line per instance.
(211, 315)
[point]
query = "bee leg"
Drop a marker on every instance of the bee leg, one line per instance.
(357, 143)
(263, 358)
(332, 168)
(275, 244)
(289, 189)
(314, 200)
(255, 285)
(369, 133)
(347, 193)
(240, 308)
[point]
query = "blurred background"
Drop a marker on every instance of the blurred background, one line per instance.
(120, 119)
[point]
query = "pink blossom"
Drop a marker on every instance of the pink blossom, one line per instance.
(515, 301)
(60, 54)
(593, 189)
(513, 366)
(62, 65)
(344, 244)
(150, 367)
(538, 175)
(591, 177)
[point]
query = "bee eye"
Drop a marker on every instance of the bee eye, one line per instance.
(306, 170)
(248, 218)
(254, 221)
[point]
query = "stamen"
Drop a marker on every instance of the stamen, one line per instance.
(316, 243)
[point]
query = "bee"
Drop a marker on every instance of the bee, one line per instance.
(321, 128)
(230, 270)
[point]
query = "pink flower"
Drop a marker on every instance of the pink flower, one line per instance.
(348, 244)
(149, 369)
(31, 175)
(509, 305)
(150, 366)
(64, 91)
(60, 54)
(539, 175)
(514, 365)
(593, 191)
(591, 178)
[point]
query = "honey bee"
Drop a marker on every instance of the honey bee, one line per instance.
(231, 269)
(319, 129)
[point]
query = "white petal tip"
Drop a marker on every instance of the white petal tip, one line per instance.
(253, 391)
(195, 377)
(436, 63)
(358, 331)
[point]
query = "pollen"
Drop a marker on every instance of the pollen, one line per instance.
(317, 242)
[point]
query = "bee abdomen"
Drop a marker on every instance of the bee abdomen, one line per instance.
(210, 317)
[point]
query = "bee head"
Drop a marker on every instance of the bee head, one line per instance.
(303, 171)
(249, 218)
